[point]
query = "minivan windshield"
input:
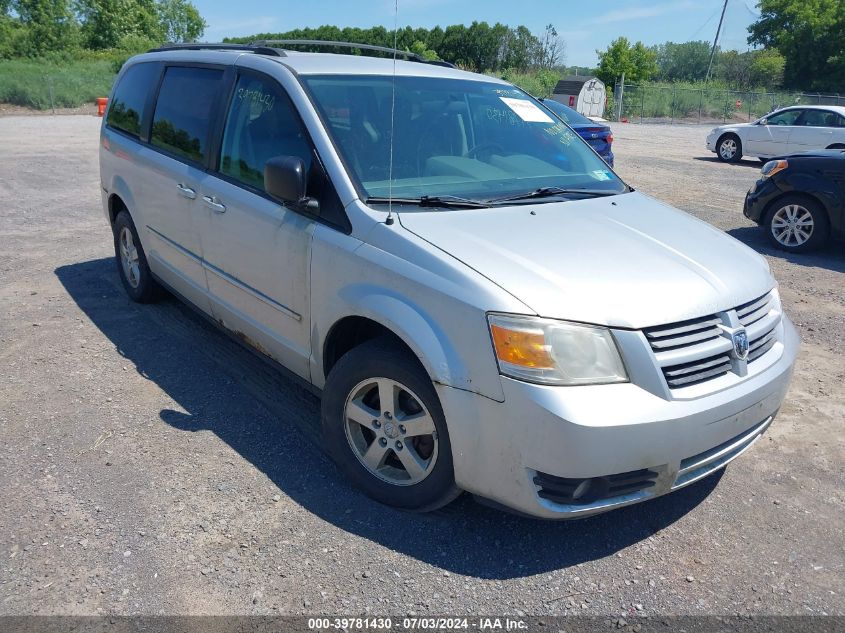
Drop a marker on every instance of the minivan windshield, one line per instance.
(455, 140)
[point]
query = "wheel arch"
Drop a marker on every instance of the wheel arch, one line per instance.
(116, 205)
(731, 132)
(369, 311)
(120, 198)
(352, 331)
(772, 206)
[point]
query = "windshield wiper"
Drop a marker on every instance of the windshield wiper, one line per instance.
(448, 202)
(552, 192)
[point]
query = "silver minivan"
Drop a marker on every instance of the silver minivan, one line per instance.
(482, 302)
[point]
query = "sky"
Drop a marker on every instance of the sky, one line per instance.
(583, 25)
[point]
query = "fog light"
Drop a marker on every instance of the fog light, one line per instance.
(591, 489)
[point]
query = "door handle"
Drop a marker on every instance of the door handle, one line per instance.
(211, 201)
(186, 191)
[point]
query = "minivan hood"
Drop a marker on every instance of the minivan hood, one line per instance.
(624, 261)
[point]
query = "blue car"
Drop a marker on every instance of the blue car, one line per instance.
(598, 135)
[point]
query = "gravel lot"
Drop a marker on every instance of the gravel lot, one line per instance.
(150, 465)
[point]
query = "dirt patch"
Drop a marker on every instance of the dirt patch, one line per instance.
(8, 109)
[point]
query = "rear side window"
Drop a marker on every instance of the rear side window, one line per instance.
(127, 107)
(183, 113)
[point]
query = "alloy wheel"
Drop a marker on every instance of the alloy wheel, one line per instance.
(792, 225)
(129, 257)
(727, 149)
(390, 431)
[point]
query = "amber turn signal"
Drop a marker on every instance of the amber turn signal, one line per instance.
(525, 348)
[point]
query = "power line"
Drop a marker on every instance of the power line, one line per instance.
(753, 12)
(700, 28)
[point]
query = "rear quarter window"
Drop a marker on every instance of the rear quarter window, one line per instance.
(183, 115)
(127, 107)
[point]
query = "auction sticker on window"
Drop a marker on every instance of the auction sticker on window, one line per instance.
(526, 110)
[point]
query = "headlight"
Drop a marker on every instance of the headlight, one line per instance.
(773, 167)
(555, 352)
(776, 297)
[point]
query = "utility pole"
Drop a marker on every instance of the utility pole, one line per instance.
(715, 42)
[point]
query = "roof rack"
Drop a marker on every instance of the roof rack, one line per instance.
(270, 48)
(192, 46)
(367, 47)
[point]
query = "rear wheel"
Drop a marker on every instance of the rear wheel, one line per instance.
(384, 427)
(729, 148)
(132, 261)
(797, 224)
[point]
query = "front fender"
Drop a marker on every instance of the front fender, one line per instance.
(430, 305)
(418, 329)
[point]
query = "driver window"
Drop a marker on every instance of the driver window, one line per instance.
(262, 123)
(787, 117)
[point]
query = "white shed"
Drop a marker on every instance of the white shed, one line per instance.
(587, 95)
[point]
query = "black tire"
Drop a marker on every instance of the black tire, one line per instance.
(726, 156)
(384, 358)
(819, 233)
(146, 289)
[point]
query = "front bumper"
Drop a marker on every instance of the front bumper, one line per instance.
(501, 449)
(711, 141)
(758, 198)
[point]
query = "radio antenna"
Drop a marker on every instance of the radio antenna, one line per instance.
(389, 219)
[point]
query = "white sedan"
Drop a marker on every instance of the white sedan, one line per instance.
(787, 131)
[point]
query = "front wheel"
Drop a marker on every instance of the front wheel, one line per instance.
(729, 149)
(797, 224)
(384, 427)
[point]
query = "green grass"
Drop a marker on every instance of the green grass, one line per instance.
(713, 103)
(28, 82)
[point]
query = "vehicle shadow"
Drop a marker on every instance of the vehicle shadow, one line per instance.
(745, 162)
(831, 257)
(193, 362)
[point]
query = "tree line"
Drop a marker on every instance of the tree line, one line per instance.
(31, 28)
(802, 42)
(480, 47)
(690, 61)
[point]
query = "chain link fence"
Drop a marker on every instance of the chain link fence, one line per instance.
(667, 104)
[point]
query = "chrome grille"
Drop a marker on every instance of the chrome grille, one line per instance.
(684, 334)
(697, 370)
(697, 350)
(751, 312)
(761, 345)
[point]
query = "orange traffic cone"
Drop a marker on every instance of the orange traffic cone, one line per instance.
(101, 105)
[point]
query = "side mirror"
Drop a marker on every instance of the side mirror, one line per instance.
(764, 121)
(285, 179)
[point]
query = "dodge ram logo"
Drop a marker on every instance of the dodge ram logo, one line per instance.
(740, 341)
